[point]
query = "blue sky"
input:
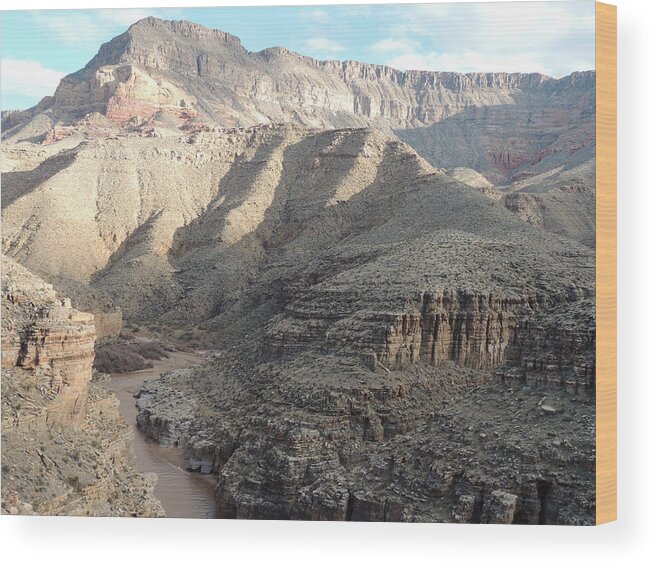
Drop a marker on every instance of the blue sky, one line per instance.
(554, 38)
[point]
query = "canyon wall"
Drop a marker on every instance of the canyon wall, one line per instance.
(313, 438)
(65, 449)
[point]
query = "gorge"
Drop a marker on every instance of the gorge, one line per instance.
(392, 275)
(181, 493)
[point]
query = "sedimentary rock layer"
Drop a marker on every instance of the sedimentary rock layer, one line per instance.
(65, 449)
(321, 438)
(166, 73)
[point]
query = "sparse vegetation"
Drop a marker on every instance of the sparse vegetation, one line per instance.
(119, 359)
(125, 357)
(150, 350)
(74, 481)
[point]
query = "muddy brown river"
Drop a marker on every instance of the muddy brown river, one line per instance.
(182, 493)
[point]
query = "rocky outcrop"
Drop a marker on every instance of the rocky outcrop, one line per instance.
(49, 339)
(476, 331)
(108, 324)
(556, 351)
(125, 95)
(65, 449)
(545, 339)
(171, 423)
(337, 442)
(472, 330)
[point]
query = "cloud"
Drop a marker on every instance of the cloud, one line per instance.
(85, 27)
(317, 16)
(548, 37)
(28, 78)
(392, 44)
(467, 62)
(323, 47)
(505, 21)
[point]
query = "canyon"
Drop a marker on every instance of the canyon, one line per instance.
(393, 274)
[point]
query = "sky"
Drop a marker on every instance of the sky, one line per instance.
(554, 38)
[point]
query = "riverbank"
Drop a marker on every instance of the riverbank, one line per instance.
(183, 494)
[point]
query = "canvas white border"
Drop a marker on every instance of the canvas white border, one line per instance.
(104, 540)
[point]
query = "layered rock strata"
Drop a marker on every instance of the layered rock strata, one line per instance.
(161, 74)
(65, 449)
(319, 439)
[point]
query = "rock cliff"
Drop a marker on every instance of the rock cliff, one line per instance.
(65, 449)
(321, 438)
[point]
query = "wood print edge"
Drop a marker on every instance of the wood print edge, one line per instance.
(606, 264)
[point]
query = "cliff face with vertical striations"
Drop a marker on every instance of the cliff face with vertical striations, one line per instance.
(65, 449)
(44, 336)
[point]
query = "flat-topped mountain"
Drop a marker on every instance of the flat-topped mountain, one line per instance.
(175, 74)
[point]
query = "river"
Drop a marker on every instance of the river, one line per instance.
(182, 493)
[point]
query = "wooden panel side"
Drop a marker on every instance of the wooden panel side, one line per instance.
(606, 173)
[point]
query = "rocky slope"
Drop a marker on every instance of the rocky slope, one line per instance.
(324, 438)
(531, 135)
(359, 341)
(270, 238)
(200, 219)
(65, 449)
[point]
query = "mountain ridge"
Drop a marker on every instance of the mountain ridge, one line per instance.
(189, 75)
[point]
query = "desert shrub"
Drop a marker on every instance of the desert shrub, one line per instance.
(127, 334)
(187, 336)
(125, 357)
(150, 350)
(119, 359)
(74, 481)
